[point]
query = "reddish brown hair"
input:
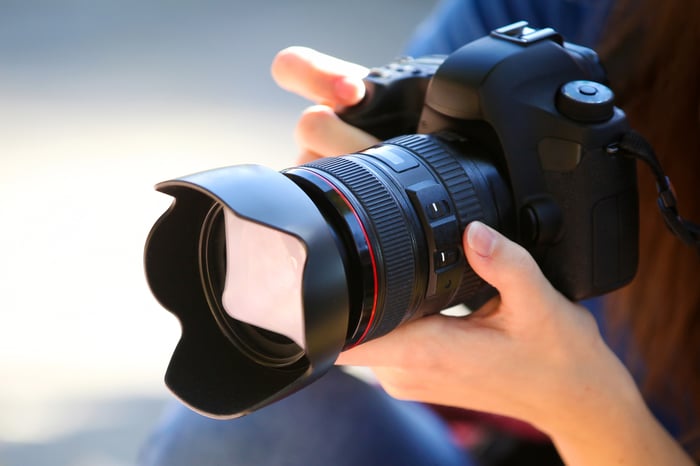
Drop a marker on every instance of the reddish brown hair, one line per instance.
(651, 53)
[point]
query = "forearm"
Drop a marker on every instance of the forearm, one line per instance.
(615, 429)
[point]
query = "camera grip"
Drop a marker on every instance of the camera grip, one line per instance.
(394, 97)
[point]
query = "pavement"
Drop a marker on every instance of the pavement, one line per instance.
(98, 102)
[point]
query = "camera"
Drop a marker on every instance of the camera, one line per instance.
(273, 274)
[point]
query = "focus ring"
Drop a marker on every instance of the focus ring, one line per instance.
(395, 251)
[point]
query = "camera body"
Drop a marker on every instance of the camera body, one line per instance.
(273, 274)
(540, 109)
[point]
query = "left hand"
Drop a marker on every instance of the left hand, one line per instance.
(529, 353)
(331, 83)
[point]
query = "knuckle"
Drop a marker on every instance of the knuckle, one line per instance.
(311, 125)
(521, 262)
(525, 264)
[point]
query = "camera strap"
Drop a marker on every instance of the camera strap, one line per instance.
(634, 145)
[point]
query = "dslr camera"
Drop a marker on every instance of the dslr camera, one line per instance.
(273, 274)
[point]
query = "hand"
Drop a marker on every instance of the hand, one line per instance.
(331, 83)
(528, 353)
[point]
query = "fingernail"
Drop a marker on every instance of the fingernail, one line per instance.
(349, 91)
(481, 239)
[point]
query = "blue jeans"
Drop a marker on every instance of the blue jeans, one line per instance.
(339, 420)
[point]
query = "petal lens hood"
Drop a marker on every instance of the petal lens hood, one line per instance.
(208, 371)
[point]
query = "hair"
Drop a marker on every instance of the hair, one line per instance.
(650, 52)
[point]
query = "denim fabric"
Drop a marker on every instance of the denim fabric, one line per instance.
(337, 421)
(453, 23)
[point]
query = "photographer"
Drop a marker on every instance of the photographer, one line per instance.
(529, 353)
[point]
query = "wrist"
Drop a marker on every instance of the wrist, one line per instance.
(612, 425)
(591, 410)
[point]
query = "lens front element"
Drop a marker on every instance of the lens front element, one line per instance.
(264, 277)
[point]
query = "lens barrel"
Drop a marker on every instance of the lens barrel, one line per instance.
(399, 209)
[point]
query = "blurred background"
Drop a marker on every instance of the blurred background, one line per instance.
(99, 100)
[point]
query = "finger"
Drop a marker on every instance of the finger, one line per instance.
(319, 77)
(507, 266)
(433, 342)
(398, 347)
(320, 131)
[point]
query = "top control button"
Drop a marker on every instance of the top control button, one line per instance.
(378, 73)
(586, 101)
(402, 67)
(588, 90)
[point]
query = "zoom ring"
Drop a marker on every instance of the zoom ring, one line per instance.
(459, 187)
(395, 251)
(451, 174)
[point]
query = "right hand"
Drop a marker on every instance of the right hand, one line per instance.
(331, 83)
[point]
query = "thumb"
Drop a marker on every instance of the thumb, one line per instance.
(506, 266)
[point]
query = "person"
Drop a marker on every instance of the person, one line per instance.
(529, 353)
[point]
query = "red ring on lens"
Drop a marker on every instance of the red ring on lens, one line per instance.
(373, 261)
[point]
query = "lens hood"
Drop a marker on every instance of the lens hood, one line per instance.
(208, 372)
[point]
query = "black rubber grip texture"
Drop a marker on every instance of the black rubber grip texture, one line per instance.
(461, 190)
(392, 241)
(451, 174)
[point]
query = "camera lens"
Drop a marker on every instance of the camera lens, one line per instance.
(262, 346)
(399, 209)
(272, 274)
